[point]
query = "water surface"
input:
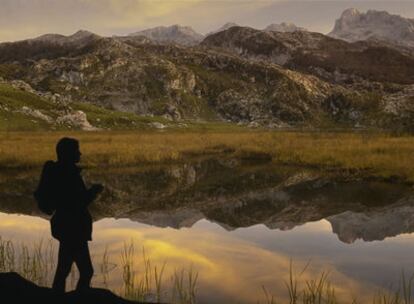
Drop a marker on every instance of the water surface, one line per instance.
(239, 224)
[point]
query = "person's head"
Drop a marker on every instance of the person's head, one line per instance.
(67, 150)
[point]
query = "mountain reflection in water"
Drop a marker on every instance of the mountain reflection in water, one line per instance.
(242, 223)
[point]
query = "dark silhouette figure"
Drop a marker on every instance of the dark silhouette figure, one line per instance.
(71, 222)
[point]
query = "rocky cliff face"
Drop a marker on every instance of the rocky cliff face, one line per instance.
(374, 25)
(183, 35)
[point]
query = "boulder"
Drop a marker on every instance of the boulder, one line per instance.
(76, 119)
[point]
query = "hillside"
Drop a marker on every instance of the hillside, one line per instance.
(332, 59)
(240, 75)
(22, 108)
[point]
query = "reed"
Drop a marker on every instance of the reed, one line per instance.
(185, 283)
(402, 294)
(148, 285)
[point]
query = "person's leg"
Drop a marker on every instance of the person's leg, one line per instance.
(84, 263)
(65, 260)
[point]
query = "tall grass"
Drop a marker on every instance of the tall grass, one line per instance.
(148, 285)
(184, 286)
(35, 263)
(377, 154)
(403, 294)
(320, 290)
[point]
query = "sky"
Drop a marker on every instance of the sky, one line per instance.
(22, 19)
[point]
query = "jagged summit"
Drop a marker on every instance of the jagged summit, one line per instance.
(224, 27)
(350, 12)
(374, 25)
(176, 33)
(82, 34)
(284, 27)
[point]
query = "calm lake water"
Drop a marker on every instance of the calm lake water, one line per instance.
(238, 224)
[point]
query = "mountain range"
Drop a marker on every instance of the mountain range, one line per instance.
(352, 26)
(281, 76)
(187, 36)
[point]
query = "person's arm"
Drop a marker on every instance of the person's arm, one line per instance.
(89, 195)
(93, 192)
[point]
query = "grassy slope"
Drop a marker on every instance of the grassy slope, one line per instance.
(13, 100)
(13, 120)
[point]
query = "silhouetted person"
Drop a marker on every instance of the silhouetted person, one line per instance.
(71, 222)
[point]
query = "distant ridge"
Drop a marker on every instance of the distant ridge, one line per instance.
(285, 27)
(79, 36)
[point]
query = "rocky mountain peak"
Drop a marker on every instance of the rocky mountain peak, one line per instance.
(176, 33)
(350, 13)
(224, 27)
(81, 34)
(285, 27)
(374, 25)
(229, 25)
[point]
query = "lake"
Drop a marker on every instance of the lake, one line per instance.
(241, 225)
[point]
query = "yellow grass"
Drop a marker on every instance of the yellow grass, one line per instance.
(378, 154)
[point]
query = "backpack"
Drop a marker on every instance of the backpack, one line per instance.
(45, 194)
